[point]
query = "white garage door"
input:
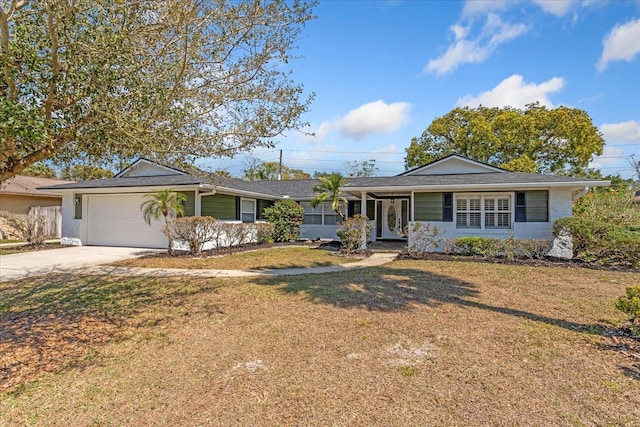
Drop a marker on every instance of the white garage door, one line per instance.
(116, 220)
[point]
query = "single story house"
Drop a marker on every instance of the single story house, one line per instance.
(21, 193)
(461, 196)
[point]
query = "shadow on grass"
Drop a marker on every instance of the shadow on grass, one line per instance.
(53, 322)
(394, 289)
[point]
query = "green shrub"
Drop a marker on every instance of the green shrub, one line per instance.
(478, 246)
(353, 233)
(630, 304)
(508, 248)
(611, 205)
(601, 243)
(286, 215)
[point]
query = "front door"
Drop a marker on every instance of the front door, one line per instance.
(394, 217)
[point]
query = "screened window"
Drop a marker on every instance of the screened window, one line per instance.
(248, 210)
(483, 211)
(321, 214)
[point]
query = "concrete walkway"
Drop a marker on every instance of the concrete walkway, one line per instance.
(92, 259)
(374, 260)
(63, 260)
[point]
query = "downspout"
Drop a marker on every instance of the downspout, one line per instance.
(584, 191)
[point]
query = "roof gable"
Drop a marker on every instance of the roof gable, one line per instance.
(145, 167)
(452, 164)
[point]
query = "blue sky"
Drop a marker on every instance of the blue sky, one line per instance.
(383, 70)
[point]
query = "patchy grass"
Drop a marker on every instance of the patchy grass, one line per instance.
(409, 343)
(7, 250)
(4, 241)
(272, 258)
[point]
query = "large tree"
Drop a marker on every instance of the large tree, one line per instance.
(562, 140)
(99, 81)
(84, 173)
(256, 170)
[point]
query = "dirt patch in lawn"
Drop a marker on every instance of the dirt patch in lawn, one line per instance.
(246, 258)
(408, 343)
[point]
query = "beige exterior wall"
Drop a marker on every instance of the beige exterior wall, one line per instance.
(22, 204)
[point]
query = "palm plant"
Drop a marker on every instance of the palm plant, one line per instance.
(163, 203)
(329, 189)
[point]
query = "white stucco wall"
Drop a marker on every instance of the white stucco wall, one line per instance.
(71, 227)
(560, 206)
(324, 232)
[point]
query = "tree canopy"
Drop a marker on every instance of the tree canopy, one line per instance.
(362, 169)
(562, 140)
(41, 170)
(100, 81)
(84, 173)
(256, 170)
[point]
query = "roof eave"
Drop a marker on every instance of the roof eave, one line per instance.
(467, 187)
(132, 189)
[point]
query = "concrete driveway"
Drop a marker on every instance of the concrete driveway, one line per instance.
(63, 260)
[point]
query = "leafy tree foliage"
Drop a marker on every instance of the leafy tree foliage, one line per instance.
(84, 173)
(561, 140)
(111, 80)
(166, 204)
(330, 188)
(362, 169)
(41, 170)
(268, 171)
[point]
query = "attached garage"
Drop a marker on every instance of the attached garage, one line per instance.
(116, 220)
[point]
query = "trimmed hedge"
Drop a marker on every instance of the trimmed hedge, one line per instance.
(486, 247)
(601, 243)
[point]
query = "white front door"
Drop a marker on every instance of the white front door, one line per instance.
(395, 215)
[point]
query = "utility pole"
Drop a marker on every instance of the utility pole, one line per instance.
(280, 167)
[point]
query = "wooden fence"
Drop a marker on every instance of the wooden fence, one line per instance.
(53, 219)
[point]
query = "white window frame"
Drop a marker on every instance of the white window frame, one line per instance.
(243, 212)
(483, 211)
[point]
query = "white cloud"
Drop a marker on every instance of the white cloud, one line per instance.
(473, 7)
(628, 131)
(555, 7)
(368, 119)
(515, 92)
(610, 155)
(475, 50)
(622, 43)
(374, 117)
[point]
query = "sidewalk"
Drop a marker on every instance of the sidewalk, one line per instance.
(374, 260)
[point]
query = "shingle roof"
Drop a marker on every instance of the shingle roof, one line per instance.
(303, 189)
(138, 181)
(507, 178)
(29, 185)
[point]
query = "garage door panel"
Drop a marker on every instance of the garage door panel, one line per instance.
(116, 220)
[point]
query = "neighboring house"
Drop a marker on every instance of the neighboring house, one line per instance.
(20, 193)
(462, 196)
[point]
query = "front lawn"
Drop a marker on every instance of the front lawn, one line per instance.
(263, 259)
(408, 343)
